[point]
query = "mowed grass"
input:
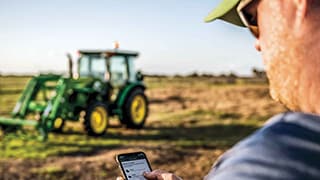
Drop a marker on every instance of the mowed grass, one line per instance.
(184, 113)
(184, 130)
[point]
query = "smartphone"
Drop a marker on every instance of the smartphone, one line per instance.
(133, 165)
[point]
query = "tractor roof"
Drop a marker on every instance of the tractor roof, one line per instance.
(110, 52)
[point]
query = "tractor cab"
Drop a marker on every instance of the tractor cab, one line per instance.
(113, 66)
(122, 86)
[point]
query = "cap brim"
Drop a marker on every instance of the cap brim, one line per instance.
(226, 11)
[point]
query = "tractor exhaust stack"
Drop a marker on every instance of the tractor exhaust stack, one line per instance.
(70, 63)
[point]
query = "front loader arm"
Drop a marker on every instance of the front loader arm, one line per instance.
(21, 106)
(53, 108)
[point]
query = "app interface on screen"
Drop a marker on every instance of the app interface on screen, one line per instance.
(135, 168)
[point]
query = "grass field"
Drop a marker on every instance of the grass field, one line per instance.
(192, 121)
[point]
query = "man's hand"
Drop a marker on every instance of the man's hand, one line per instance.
(160, 175)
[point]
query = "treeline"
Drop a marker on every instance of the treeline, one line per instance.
(256, 73)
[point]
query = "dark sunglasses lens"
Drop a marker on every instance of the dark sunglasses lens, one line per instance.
(252, 19)
(253, 23)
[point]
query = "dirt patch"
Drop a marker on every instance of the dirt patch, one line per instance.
(187, 163)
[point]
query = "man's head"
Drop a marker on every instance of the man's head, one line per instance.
(288, 36)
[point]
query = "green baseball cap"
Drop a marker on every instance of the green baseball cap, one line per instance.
(226, 11)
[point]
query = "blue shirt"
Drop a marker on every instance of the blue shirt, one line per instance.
(287, 147)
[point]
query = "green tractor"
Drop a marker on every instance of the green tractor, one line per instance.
(105, 85)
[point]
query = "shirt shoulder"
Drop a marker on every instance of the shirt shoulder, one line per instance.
(286, 147)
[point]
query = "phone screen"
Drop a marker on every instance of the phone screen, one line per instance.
(133, 165)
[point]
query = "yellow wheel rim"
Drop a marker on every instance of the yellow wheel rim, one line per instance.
(58, 123)
(99, 119)
(138, 109)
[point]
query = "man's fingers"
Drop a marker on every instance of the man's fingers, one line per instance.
(154, 175)
(160, 175)
(120, 178)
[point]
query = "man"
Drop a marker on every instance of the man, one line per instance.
(288, 146)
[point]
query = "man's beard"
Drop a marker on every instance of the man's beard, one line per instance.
(284, 70)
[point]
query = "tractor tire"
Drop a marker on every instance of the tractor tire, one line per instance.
(96, 119)
(135, 110)
(58, 125)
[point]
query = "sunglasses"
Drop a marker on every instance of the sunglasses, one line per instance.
(248, 19)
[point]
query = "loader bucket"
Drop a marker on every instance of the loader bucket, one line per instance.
(17, 123)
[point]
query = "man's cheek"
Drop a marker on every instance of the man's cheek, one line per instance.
(267, 59)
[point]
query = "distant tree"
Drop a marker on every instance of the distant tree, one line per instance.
(232, 75)
(177, 76)
(207, 75)
(258, 73)
(222, 76)
(194, 74)
(231, 78)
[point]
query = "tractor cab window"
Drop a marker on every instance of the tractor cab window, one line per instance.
(98, 67)
(118, 71)
(132, 71)
(84, 66)
(93, 66)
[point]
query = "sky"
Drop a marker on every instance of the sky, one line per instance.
(170, 35)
